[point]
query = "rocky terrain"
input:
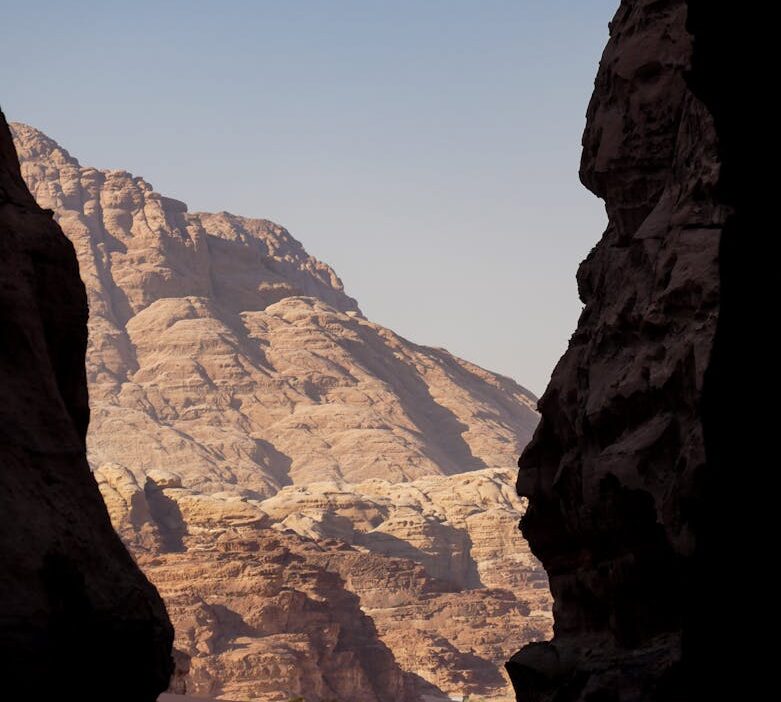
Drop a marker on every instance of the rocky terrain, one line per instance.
(456, 626)
(77, 617)
(219, 344)
(615, 474)
(256, 616)
(336, 591)
(303, 486)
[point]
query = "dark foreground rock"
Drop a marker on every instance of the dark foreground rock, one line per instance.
(77, 617)
(626, 474)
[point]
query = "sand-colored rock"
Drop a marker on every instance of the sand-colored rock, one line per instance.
(227, 367)
(482, 592)
(240, 584)
(259, 619)
(219, 345)
(77, 616)
(462, 528)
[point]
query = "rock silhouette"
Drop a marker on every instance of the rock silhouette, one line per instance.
(78, 619)
(620, 474)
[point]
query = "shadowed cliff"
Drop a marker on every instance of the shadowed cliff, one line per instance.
(77, 617)
(622, 472)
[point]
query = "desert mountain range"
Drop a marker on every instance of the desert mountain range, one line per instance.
(326, 507)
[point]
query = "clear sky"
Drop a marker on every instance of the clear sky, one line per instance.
(427, 149)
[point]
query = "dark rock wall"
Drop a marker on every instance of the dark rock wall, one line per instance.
(77, 618)
(728, 619)
(617, 472)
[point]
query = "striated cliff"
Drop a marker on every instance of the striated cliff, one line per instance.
(229, 373)
(436, 565)
(250, 584)
(77, 617)
(258, 616)
(217, 342)
(616, 469)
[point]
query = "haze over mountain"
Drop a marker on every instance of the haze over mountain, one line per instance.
(253, 432)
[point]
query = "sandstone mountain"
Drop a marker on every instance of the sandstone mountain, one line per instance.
(258, 618)
(77, 617)
(281, 466)
(218, 344)
(266, 613)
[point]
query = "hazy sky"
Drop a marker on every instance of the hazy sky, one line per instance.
(428, 149)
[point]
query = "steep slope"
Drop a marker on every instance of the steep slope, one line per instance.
(225, 348)
(77, 617)
(223, 355)
(615, 471)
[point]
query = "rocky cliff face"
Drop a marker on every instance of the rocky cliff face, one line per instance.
(436, 565)
(218, 343)
(77, 617)
(330, 591)
(259, 618)
(223, 355)
(615, 470)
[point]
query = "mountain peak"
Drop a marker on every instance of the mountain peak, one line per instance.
(33, 144)
(221, 353)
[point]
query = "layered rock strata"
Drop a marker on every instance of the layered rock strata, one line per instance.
(267, 613)
(251, 585)
(77, 616)
(457, 621)
(218, 344)
(257, 618)
(615, 470)
(223, 355)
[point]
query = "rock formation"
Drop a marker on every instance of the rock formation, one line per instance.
(77, 617)
(258, 618)
(221, 346)
(240, 577)
(615, 472)
(455, 622)
(252, 594)
(249, 421)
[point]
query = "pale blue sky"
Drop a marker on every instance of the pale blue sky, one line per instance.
(427, 150)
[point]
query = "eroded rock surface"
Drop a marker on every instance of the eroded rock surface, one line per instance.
(77, 616)
(615, 468)
(249, 429)
(455, 623)
(266, 613)
(221, 346)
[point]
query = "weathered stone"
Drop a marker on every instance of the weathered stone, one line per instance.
(228, 367)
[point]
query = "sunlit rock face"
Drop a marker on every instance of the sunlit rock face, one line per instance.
(278, 463)
(615, 471)
(220, 346)
(474, 590)
(259, 618)
(78, 619)
(269, 608)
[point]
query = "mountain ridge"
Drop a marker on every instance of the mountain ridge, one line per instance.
(244, 288)
(247, 417)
